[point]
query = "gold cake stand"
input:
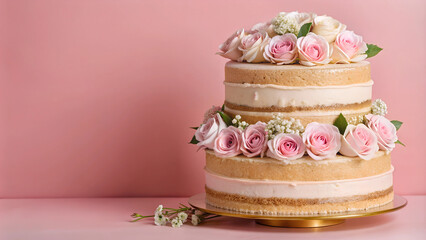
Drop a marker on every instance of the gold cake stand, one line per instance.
(297, 221)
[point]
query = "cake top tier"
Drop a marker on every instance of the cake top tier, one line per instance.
(297, 75)
(292, 38)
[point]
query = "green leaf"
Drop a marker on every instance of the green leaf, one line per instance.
(195, 128)
(223, 107)
(194, 140)
(372, 50)
(304, 30)
(226, 118)
(397, 124)
(399, 142)
(341, 123)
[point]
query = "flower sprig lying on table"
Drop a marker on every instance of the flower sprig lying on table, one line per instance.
(176, 216)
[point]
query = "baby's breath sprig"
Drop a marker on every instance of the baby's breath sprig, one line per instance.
(178, 216)
(279, 125)
(356, 119)
(285, 23)
(236, 122)
(379, 107)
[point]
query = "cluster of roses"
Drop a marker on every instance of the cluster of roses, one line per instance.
(326, 41)
(320, 141)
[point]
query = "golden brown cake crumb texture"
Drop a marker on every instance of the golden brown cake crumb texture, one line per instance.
(278, 206)
(307, 170)
(297, 75)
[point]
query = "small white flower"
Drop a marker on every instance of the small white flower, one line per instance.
(182, 216)
(160, 219)
(176, 222)
(379, 107)
(355, 120)
(278, 125)
(159, 209)
(195, 220)
(238, 123)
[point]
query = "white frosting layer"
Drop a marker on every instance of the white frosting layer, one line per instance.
(295, 114)
(267, 95)
(307, 190)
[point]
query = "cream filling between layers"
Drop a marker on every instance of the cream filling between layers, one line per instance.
(267, 95)
(306, 190)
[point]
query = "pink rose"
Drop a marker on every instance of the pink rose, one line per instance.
(313, 50)
(385, 131)
(348, 47)
(281, 49)
(211, 113)
(207, 133)
(229, 49)
(286, 146)
(254, 140)
(252, 45)
(359, 141)
(322, 140)
(228, 142)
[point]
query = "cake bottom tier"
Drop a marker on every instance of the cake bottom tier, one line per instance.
(279, 197)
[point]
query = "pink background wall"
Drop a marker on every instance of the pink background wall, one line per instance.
(97, 97)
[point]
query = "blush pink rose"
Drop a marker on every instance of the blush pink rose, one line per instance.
(281, 49)
(385, 131)
(211, 113)
(359, 141)
(254, 140)
(322, 140)
(348, 47)
(207, 133)
(229, 49)
(252, 45)
(228, 142)
(313, 50)
(286, 146)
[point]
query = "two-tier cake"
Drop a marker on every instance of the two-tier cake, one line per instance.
(298, 132)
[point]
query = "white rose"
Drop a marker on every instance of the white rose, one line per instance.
(252, 46)
(264, 27)
(327, 27)
(206, 134)
(303, 18)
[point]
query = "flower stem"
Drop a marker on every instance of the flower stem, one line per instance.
(215, 216)
(137, 219)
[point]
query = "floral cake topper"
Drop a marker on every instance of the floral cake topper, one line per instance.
(295, 37)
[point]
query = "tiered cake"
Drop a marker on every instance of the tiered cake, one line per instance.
(296, 138)
(319, 94)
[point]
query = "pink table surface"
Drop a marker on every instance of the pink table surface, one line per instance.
(108, 218)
